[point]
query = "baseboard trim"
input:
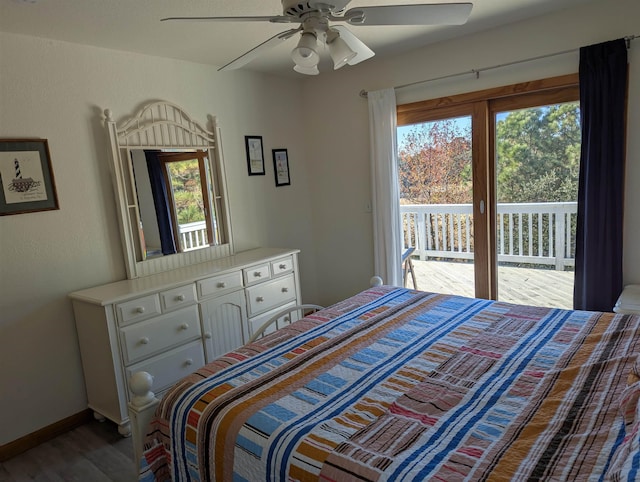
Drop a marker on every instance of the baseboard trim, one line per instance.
(34, 439)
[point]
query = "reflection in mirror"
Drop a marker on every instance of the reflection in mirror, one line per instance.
(169, 181)
(176, 201)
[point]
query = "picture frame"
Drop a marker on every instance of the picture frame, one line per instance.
(255, 155)
(27, 183)
(281, 167)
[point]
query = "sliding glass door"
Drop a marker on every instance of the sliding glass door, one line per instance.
(488, 182)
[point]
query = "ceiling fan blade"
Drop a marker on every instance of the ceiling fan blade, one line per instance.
(258, 50)
(421, 14)
(273, 19)
(362, 51)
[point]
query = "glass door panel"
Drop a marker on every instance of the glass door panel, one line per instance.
(537, 155)
(436, 196)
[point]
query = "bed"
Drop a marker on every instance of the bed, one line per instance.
(399, 384)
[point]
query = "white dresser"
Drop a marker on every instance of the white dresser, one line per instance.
(170, 324)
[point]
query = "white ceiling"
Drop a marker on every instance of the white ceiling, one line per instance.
(134, 25)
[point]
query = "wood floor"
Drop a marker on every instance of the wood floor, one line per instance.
(526, 286)
(94, 452)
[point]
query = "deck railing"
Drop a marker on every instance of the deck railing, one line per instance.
(193, 235)
(527, 233)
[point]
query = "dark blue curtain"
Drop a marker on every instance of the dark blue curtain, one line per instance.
(161, 202)
(603, 88)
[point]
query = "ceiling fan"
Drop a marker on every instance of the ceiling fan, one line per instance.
(316, 18)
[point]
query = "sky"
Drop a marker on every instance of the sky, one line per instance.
(463, 122)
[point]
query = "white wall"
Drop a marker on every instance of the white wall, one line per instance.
(57, 91)
(339, 159)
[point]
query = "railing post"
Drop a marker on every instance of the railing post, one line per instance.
(421, 235)
(560, 227)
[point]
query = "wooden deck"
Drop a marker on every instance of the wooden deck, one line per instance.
(527, 286)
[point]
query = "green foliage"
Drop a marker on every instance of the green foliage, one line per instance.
(187, 191)
(538, 151)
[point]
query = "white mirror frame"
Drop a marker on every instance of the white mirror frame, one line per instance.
(161, 125)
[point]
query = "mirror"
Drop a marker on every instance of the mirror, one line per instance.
(170, 188)
(176, 201)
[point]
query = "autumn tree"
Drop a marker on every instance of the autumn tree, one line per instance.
(435, 163)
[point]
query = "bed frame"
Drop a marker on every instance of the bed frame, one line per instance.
(144, 402)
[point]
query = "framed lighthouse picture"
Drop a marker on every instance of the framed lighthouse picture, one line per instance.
(26, 178)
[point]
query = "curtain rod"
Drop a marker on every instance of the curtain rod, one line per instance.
(476, 72)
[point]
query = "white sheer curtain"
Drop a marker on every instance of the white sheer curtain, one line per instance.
(384, 186)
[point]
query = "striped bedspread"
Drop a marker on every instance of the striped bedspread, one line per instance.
(395, 384)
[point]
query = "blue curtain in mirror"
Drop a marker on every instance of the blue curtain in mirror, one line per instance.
(603, 87)
(161, 202)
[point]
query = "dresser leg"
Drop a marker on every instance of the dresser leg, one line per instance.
(124, 429)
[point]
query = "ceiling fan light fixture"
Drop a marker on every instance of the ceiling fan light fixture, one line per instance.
(307, 70)
(340, 52)
(305, 54)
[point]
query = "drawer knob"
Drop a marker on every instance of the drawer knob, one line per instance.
(207, 336)
(140, 309)
(222, 284)
(285, 290)
(257, 274)
(283, 266)
(144, 340)
(180, 298)
(188, 362)
(260, 299)
(184, 326)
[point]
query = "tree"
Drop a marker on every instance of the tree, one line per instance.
(538, 151)
(538, 156)
(435, 163)
(187, 191)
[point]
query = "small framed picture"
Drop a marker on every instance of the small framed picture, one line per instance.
(281, 167)
(26, 177)
(255, 155)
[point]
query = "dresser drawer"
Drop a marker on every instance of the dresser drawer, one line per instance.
(256, 274)
(281, 266)
(217, 285)
(169, 367)
(138, 309)
(152, 336)
(271, 294)
(178, 297)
